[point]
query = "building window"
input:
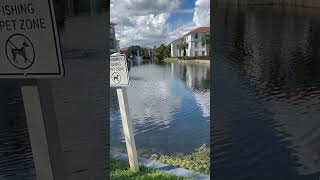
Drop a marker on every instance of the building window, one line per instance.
(203, 53)
(196, 44)
(196, 53)
(196, 36)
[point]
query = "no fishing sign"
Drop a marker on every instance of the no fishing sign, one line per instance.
(119, 75)
(29, 41)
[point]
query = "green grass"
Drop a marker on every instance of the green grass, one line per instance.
(198, 161)
(170, 60)
(120, 170)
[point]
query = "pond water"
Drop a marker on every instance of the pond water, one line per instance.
(169, 105)
(266, 100)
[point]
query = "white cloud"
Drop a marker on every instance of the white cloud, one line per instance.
(202, 13)
(146, 22)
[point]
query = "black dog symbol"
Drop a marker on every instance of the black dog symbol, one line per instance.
(22, 52)
(117, 77)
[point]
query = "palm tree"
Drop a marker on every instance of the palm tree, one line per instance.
(205, 41)
(178, 46)
(184, 46)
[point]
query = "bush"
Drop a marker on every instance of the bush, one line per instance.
(199, 161)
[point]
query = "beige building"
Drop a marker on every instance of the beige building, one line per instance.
(194, 40)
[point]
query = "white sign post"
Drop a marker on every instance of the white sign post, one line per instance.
(119, 78)
(30, 48)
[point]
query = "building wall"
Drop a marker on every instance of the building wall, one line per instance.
(174, 50)
(195, 48)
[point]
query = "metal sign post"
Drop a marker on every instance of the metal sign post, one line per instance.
(119, 78)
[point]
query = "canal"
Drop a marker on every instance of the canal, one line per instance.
(169, 105)
(266, 96)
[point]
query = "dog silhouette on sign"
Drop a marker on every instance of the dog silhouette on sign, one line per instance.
(117, 77)
(20, 51)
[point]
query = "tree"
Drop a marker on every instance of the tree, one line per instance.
(168, 52)
(182, 46)
(163, 52)
(205, 41)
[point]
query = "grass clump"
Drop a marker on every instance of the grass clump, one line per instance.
(120, 170)
(170, 60)
(198, 161)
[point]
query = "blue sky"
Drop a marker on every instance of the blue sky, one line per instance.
(149, 23)
(186, 17)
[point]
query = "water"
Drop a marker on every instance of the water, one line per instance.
(169, 106)
(266, 100)
(16, 160)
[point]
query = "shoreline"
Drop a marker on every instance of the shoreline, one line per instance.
(194, 61)
(162, 166)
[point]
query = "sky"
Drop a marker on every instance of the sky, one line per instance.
(152, 22)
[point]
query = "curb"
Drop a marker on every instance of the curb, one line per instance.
(164, 167)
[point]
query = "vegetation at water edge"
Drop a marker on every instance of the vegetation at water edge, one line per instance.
(198, 161)
(119, 170)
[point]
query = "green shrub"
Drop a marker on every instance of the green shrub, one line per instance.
(198, 161)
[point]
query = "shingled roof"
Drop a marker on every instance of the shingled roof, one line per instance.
(197, 30)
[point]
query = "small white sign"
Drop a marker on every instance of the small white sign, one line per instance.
(29, 40)
(119, 75)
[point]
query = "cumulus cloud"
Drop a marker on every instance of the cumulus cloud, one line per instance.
(202, 13)
(145, 22)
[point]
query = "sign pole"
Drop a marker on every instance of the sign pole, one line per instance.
(37, 131)
(128, 129)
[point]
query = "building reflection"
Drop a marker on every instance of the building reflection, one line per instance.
(276, 55)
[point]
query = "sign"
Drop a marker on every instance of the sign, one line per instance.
(118, 70)
(29, 40)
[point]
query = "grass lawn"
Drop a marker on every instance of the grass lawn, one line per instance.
(120, 170)
(170, 60)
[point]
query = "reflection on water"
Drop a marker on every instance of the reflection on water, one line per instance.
(267, 101)
(16, 162)
(169, 105)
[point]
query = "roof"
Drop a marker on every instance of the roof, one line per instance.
(199, 30)
(146, 47)
(178, 40)
(124, 49)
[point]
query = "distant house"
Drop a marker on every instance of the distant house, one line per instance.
(194, 40)
(150, 51)
(175, 52)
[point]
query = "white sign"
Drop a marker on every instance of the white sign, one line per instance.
(118, 70)
(29, 40)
